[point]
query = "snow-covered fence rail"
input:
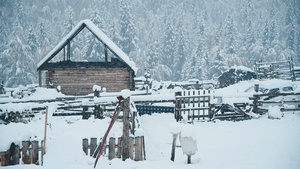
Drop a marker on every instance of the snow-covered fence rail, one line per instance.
(259, 106)
(193, 104)
(113, 150)
(29, 153)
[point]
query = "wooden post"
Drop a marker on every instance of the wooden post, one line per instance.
(174, 146)
(105, 54)
(256, 87)
(40, 78)
(133, 122)
(26, 154)
(42, 147)
(119, 151)
(85, 145)
(125, 152)
(16, 156)
(111, 148)
(68, 50)
(131, 140)
(189, 159)
(138, 149)
(4, 158)
(93, 146)
(45, 131)
(255, 104)
(143, 146)
(35, 152)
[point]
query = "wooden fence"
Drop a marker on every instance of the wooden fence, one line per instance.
(113, 150)
(271, 70)
(29, 153)
(194, 103)
(259, 106)
(149, 109)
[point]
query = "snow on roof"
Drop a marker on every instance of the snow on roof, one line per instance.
(99, 35)
(242, 68)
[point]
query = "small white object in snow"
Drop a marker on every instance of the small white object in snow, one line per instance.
(104, 89)
(96, 88)
(274, 112)
(175, 128)
(188, 139)
(58, 88)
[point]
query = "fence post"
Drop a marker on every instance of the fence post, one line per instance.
(138, 149)
(177, 106)
(85, 145)
(133, 122)
(189, 159)
(16, 156)
(125, 152)
(119, 151)
(4, 159)
(35, 152)
(111, 148)
(143, 146)
(26, 154)
(131, 139)
(93, 146)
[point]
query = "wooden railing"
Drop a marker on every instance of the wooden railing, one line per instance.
(259, 105)
(113, 150)
(29, 153)
(194, 103)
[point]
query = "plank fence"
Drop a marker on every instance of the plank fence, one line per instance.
(193, 103)
(278, 70)
(113, 150)
(29, 154)
(260, 106)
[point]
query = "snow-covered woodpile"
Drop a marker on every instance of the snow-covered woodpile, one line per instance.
(115, 72)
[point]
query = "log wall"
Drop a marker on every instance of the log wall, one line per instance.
(81, 81)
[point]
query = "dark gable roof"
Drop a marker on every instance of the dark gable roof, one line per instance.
(98, 34)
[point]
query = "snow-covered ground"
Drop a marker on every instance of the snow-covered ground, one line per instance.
(257, 143)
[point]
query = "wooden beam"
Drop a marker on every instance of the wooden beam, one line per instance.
(40, 78)
(105, 54)
(69, 50)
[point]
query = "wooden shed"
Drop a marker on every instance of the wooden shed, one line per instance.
(79, 77)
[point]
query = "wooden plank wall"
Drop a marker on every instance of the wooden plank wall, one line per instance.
(81, 81)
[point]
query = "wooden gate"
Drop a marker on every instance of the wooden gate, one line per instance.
(195, 104)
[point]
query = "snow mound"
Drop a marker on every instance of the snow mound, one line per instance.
(274, 112)
(175, 128)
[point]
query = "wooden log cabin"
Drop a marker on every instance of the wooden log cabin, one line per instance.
(78, 77)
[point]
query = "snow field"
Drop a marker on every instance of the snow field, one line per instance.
(251, 144)
(258, 143)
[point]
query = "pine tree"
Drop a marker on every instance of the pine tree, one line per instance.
(129, 39)
(93, 49)
(19, 68)
(169, 43)
(68, 21)
(32, 40)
